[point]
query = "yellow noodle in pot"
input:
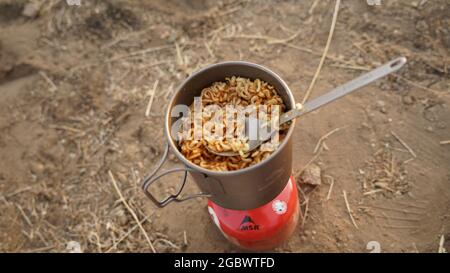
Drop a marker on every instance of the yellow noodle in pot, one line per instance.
(236, 91)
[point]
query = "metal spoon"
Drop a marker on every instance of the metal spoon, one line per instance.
(252, 124)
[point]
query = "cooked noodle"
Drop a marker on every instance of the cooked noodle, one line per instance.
(235, 91)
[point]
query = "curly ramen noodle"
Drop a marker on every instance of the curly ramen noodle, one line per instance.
(248, 97)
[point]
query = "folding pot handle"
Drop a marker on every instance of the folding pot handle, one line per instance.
(151, 178)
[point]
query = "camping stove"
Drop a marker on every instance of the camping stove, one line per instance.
(262, 228)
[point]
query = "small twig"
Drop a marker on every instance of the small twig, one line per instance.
(305, 203)
(404, 145)
(323, 138)
(331, 186)
(185, 241)
(398, 227)
(445, 142)
(24, 215)
(167, 242)
(313, 6)
(65, 128)
(208, 48)
(152, 97)
(53, 87)
(287, 40)
(441, 245)
(169, 92)
(123, 38)
(8, 195)
(268, 39)
(306, 213)
(415, 248)
(352, 67)
(325, 52)
(97, 241)
(41, 249)
(227, 12)
(131, 211)
(302, 193)
(373, 192)
(348, 209)
(180, 59)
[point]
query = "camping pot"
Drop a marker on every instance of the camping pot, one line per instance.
(243, 189)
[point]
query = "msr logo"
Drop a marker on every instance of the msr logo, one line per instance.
(248, 224)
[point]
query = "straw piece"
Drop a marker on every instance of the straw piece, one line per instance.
(404, 145)
(185, 241)
(323, 138)
(325, 51)
(313, 6)
(348, 209)
(208, 48)
(152, 97)
(24, 215)
(399, 227)
(441, 245)
(331, 186)
(53, 86)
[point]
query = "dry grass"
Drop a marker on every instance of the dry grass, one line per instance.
(385, 174)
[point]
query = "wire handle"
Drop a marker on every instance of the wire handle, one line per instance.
(151, 178)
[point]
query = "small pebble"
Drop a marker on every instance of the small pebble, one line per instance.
(381, 103)
(31, 10)
(37, 168)
(312, 175)
(408, 100)
(381, 106)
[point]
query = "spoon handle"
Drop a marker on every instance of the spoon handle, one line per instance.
(345, 89)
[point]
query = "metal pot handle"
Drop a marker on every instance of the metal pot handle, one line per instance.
(151, 178)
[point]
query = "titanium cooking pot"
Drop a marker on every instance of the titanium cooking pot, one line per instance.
(243, 189)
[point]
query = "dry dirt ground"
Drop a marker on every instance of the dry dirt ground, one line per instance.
(75, 82)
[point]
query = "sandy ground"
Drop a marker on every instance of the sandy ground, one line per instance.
(75, 83)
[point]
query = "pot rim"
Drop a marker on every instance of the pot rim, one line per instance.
(235, 172)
